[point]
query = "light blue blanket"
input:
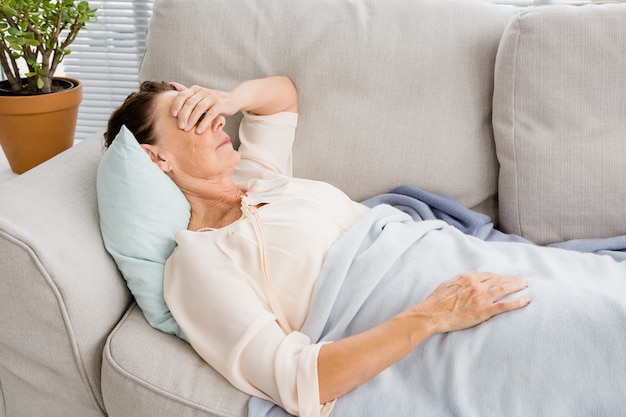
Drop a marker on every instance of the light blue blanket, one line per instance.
(563, 355)
(422, 205)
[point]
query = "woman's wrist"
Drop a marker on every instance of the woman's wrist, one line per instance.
(419, 324)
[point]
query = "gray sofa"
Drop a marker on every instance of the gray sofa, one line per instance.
(519, 114)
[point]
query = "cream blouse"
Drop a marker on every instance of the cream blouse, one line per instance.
(241, 293)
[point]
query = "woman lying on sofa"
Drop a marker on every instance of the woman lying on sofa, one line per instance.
(267, 281)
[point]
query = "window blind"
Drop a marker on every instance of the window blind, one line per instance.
(105, 57)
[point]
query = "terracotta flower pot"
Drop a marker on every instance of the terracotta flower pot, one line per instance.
(34, 128)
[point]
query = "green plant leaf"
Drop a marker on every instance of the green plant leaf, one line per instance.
(9, 11)
(34, 29)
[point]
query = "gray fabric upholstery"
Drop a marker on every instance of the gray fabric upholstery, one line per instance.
(363, 103)
(160, 375)
(61, 292)
(560, 123)
(390, 91)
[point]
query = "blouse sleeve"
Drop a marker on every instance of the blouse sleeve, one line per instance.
(266, 141)
(229, 326)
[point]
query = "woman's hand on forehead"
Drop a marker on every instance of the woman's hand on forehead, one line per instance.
(197, 107)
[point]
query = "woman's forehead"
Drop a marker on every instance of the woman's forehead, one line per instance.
(165, 99)
(164, 106)
(163, 103)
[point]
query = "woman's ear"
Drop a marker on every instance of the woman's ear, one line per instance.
(156, 156)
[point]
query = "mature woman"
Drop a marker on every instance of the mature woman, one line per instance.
(241, 279)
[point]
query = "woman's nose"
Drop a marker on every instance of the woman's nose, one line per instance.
(218, 123)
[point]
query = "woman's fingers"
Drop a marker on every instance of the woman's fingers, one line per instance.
(192, 105)
(500, 286)
(503, 306)
(488, 290)
(183, 95)
(196, 109)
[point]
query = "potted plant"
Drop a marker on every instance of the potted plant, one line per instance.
(34, 38)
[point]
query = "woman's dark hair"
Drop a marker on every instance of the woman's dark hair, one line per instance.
(138, 113)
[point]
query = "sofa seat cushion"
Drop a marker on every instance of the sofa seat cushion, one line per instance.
(560, 125)
(146, 372)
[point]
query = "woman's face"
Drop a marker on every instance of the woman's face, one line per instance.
(209, 155)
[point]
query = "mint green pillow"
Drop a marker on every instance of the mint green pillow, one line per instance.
(140, 211)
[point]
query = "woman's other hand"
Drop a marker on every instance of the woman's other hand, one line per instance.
(470, 299)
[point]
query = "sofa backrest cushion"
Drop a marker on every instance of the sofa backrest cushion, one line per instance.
(390, 92)
(560, 123)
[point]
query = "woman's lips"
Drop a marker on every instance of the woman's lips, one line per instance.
(224, 142)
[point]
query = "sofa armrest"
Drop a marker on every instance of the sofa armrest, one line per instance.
(60, 292)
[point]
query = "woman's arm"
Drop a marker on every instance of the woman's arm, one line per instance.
(459, 303)
(198, 106)
(266, 95)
